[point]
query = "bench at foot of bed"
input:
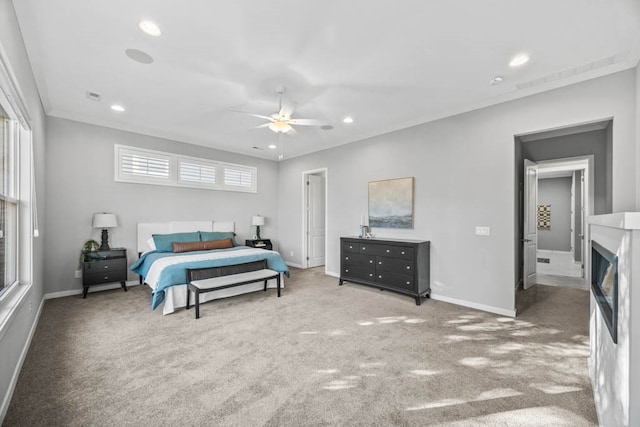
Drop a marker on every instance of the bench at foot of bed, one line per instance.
(202, 280)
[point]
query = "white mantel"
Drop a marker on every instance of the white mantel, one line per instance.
(614, 377)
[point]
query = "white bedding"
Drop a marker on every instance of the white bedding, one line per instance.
(176, 296)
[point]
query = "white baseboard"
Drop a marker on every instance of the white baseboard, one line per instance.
(16, 373)
(331, 273)
(71, 292)
(488, 308)
(293, 264)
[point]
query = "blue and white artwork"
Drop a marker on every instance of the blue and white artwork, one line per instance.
(391, 203)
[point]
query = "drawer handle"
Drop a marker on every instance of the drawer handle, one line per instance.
(370, 261)
(402, 252)
(388, 251)
(346, 257)
(380, 262)
(364, 248)
(106, 277)
(106, 267)
(380, 277)
(408, 283)
(408, 267)
(370, 274)
(346, 271)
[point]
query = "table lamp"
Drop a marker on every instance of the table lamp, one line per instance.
(257, 221)
(104, 221)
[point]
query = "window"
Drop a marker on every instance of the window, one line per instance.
(142, 166)
(8, 202)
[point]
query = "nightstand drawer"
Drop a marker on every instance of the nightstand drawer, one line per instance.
(110, 265)
(107, 277)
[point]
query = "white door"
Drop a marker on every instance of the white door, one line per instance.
(530, 226)
(315, 220)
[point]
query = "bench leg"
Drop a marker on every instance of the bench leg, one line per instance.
(278, 284)
(188, 297)
(197, 297)
(265, 285)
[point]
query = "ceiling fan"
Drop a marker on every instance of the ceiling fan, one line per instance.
(281, 122)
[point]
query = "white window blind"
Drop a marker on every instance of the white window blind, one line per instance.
(197, 173)
(238, 177)
(157, 167)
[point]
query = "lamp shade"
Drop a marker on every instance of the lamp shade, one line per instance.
(257, 220)
(104, 220)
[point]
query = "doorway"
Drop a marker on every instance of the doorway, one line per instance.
(314, 217)
(560, 151)
(565, 191)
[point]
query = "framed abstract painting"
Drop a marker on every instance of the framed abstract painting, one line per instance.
(391, 203)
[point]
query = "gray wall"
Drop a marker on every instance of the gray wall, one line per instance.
(80, 183)
(464, 176)
(14, 340)
(581, 144)
(557, 193)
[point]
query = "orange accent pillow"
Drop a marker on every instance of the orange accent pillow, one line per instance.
(218, 244)
(178, 247)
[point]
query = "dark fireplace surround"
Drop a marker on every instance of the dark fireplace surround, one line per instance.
(604, 285)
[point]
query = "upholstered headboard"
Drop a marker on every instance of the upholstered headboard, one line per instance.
(147, 229)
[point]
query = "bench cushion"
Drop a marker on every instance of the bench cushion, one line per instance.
(216, 282)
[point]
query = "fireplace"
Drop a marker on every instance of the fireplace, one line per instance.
(604, 285)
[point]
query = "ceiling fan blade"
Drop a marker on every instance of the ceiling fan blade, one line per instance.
(286, 110)
(260, 116)
(307, 122)
(262, 126)
(292, 132)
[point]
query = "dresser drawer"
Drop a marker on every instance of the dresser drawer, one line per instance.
(358, 259)
(405, 253)
(105, 277)
(396, 280)
(351, 247)
(105, 266)
(375, 249)
(359, 272)
(397, 265)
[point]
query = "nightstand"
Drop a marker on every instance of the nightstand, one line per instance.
(102, 267)
(262, 244)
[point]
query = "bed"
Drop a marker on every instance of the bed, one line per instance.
(165, 272)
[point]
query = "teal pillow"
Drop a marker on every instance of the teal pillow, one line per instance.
(218, 235)
(163, 241)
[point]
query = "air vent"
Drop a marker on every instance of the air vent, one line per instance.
(94, 96)
(326, 127)
(568, 73)
(256, 148)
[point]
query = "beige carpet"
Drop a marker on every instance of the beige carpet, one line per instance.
(320, 355)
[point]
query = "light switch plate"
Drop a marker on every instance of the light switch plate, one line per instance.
(483, 231)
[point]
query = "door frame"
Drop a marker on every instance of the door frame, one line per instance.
(586, 163)
(305, 223)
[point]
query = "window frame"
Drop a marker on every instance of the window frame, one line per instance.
(174, 179)
(21, 194)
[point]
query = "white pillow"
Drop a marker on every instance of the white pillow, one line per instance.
(151, 243)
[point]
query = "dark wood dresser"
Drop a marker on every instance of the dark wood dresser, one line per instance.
(395, 265)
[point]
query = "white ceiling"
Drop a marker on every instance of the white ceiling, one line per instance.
(388, 64)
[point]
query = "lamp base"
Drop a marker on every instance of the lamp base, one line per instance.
(105, 240)
(258, 232)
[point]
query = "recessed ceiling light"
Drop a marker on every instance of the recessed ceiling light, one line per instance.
(519, 60)
(496, 80)
(118, 108)
(150, 28)
(273, 146)
(348, 119)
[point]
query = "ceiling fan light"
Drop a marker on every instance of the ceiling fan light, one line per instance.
(280, 127)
